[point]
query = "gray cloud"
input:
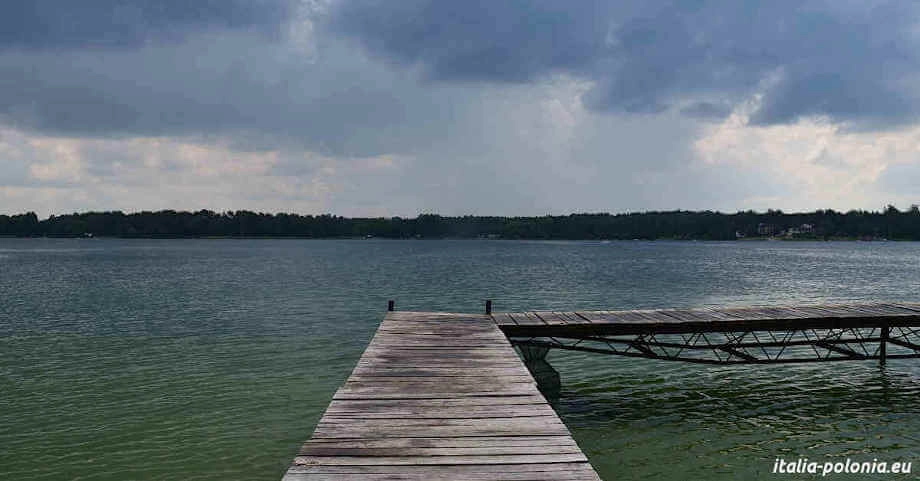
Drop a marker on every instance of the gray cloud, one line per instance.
(518, 107)
(850, 61)
(514, 41)
(901, 180)
(234, 84)
(707, 110)
(37, 24)
(207, 68)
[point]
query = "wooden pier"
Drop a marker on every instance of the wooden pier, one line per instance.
(746, 335)
(710, 319)
(440, 396)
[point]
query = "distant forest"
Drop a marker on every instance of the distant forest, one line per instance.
(890, 223)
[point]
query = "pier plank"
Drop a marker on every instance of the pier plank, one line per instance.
(579, 471)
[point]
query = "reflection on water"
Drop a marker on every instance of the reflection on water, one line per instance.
(213, 359)
(720, 422)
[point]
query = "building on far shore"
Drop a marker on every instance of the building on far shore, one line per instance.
(800, 230)
(773, 230)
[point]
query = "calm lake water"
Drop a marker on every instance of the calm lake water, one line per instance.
(214, 359)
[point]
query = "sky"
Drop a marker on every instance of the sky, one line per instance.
(381, 108)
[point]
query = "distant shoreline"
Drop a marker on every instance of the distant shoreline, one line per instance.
(890, 224)
(498, 239)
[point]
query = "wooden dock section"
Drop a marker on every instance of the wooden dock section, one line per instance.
(714, 319)
(748, 335)
(439, 396)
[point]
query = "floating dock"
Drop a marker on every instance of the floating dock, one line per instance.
(443, 396)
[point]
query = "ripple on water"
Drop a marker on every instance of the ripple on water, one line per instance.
(733, 420)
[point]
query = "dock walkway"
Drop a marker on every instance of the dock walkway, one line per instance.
(727, 335)
(439, 396)
(710, 319)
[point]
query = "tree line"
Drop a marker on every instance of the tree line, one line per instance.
(889, 223)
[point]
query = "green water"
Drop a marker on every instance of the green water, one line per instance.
(213, 359)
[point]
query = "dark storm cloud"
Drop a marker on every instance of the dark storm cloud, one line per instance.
(222, 78)
(510, 41)
(128, 23)
(707, 110)
(107, 68)
(257, 92)
(852, 61)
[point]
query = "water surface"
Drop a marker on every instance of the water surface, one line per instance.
(214, 359)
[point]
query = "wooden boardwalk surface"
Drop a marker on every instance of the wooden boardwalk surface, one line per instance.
(832, 316)
(439, 396)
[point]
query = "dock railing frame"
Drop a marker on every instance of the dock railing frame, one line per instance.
(748, 347)
(756, 335)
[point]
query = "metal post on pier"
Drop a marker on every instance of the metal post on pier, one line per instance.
(883, 344)
(391, 305)
(489, 306)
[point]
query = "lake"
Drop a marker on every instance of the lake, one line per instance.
(214, 359)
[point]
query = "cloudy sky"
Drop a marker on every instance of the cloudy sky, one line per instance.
(514, 107)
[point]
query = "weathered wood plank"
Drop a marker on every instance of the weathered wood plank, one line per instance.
(503, 317)
(407, 475)
(445, 394)
(486, 423)
(579, 471)
(535, 398)
(549, 317)
(524, 319)
(556, 468)
(365, 460)
(454, 442)
(324, 450)
(370, 370)
(571, 318)
(457, 378)
(432, 390)
(463, 412)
